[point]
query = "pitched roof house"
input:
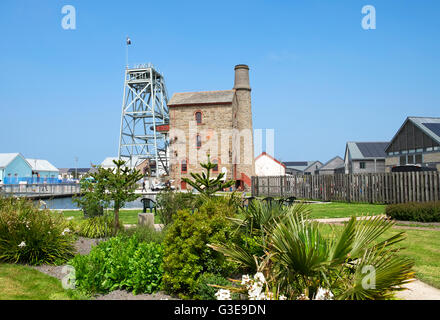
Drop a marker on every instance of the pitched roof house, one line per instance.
(417, 142)
(266, 165)
(302, 167)
(365, 157)
(330, 166)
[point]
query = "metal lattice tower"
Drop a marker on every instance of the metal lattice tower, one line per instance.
(144, 115)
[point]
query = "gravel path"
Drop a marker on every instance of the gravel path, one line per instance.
(419, 290)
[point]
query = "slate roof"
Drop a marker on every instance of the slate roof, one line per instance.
(299, 165)
(367, 150)
(202, 97)
(429, 125)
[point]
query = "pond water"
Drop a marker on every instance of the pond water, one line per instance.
(66, 203)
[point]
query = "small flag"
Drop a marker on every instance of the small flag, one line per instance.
(128, 41)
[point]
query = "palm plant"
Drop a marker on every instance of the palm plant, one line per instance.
(298, 257)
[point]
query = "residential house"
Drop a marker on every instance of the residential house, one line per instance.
(365, 157)
(266, 165)
(330, 166)
(417, 142)
(302, 167)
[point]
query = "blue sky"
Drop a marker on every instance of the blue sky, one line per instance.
(317, 77)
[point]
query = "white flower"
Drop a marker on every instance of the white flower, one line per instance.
(22, 244)
(223, 294)
(323, 294)
(259, 277)
(302, 297)
(246, 281)
(283, 297)
(255, 291)
(67, 230)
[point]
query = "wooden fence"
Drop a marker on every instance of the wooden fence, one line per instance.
(395, 187)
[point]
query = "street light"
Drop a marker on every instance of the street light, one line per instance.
(76, 167)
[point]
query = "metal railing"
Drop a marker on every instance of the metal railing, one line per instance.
(41, 189)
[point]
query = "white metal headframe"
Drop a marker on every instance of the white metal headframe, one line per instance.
(144, 107)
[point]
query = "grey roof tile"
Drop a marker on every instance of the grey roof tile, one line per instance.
(203, 97)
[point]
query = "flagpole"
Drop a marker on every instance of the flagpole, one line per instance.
(126, 55)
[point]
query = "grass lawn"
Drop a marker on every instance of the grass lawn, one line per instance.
(19, 282)
(342, 210)
(423, 246)
(126, 216)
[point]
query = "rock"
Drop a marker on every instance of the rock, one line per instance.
(146, 219)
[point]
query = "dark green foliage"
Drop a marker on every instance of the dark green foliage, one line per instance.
(205, 184)
(120, 263)
(32, 236)
(204, 290)
(170, 202)
(414, 211)
(186, 254)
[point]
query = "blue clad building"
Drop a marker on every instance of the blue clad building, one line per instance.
(14, 166)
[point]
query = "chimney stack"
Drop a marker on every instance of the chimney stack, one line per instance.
(242, 77)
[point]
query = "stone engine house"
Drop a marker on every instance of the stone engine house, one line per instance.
(214, 123)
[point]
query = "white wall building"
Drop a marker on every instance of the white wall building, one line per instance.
(266, 165)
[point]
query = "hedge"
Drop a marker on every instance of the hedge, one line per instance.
(415, 211)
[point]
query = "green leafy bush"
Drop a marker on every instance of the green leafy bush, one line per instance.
(186, 254)
(206, 292)
(170, 202)
(33, 236)
(120, 263)
(96, 227)
(415, 211)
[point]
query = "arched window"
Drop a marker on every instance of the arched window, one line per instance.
(184, 166)
(198, 141)
(198, 116)
(215, 169)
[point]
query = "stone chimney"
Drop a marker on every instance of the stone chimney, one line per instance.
(242, 77)
(244, 167)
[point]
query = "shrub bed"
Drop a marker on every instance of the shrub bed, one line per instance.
(33, 236)
(415, 211)
(120, 263)
(186, 254)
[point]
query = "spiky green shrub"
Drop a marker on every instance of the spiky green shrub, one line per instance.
(299, 258)
(120, 263)
(33, 236)
(96, 227)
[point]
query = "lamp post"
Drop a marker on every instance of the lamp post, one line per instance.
(76, 167)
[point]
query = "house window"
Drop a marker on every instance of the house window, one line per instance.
(402, 160)
(419, 159)
(198, 141)
(215, 169)
(362, 165)
(184, 166)
(198, 116)
(411, 159)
